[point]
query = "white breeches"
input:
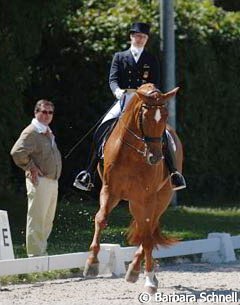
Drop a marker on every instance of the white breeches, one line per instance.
(118, 107)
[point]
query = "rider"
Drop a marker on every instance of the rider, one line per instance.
(129, 70)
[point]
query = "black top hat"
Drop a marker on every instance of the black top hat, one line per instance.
(140, 27)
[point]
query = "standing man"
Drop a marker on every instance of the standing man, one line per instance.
(37, 154)
(129, 70)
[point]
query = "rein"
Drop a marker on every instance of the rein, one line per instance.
(142, 152)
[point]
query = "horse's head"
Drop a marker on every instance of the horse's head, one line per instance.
(153, 116)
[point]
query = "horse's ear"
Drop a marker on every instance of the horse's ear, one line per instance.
(167, 96)
(142, 95)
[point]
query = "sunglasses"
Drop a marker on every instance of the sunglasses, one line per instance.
(46, 112)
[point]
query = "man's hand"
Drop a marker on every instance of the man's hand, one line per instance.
(35, 172)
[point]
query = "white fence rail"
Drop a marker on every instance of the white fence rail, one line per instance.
(219, 247)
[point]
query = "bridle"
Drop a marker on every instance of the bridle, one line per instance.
(144, 138)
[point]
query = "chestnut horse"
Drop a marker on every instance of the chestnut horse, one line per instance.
(134, 170)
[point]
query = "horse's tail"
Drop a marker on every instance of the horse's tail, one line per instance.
(137, 236)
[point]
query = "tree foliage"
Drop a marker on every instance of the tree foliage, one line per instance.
(21, 25)
(62, 50)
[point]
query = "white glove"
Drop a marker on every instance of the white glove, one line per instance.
(119, 93)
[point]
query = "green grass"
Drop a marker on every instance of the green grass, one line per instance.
(194, 222)
(74, 226)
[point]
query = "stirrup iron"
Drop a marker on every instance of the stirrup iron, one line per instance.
(83, 181)
(177, 181)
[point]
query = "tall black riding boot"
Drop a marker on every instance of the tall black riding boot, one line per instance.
(83, 181)
(177, 179)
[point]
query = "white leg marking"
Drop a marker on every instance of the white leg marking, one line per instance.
(149, 279)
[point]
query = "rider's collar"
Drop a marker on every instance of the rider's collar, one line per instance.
(136, 50)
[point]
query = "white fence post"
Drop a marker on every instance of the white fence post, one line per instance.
(224, 254)
(6, 247)
(116, 263)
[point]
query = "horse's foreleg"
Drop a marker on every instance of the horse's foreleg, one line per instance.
(92, 263)
(107, 203)
(134, 268)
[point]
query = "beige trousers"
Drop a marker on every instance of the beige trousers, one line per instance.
(42, 202)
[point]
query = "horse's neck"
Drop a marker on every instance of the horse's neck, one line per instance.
(130, 117)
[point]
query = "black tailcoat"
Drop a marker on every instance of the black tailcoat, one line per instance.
(126, 73)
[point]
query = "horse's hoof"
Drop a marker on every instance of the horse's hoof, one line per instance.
(151, 290)
(91, 270)
(132, 275)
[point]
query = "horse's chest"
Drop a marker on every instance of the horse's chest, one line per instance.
(141, 183)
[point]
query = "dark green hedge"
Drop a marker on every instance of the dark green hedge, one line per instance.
(21, 24)
(208, 106)
(228, 5)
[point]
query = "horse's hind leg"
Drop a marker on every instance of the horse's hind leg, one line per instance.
(107, 203)
(151, 282)
(134, 268)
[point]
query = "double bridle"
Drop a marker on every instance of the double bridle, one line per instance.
(144, 138)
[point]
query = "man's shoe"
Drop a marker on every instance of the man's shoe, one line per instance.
(177, 180)
(83, 181)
